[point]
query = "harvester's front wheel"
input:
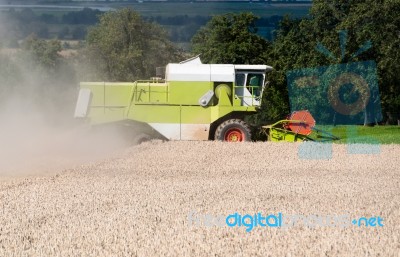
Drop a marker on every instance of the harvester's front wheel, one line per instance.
(233, 130)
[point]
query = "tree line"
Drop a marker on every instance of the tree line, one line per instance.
(73, 25)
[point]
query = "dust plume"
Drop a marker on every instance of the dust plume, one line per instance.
(38, 91)
(31, 143)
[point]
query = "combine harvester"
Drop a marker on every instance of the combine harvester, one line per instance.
(194, 101)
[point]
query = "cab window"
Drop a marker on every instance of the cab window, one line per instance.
(254, 83)
(240, 79)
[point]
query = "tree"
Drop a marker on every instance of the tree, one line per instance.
(39, 75)
(123, 47)
(86, 16)
(42, 53)
(295, 46)
(230, 38)
(379, 22)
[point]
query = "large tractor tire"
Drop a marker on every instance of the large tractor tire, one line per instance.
(233, 130)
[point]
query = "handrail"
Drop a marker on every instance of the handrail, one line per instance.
(252, 96)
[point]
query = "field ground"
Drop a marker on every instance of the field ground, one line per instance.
(137, 203)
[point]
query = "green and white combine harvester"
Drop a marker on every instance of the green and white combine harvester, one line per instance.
(194, 101)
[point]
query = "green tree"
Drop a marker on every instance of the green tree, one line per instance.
(230, 38)
(295, 45)
(123, 47)
(38, 74)
(42, 53)
(379, 22)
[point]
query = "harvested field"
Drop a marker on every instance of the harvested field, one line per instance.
(137, 203)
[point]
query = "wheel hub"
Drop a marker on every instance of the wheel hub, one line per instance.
(234, 135)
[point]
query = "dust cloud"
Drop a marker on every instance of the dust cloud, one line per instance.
(32, 143)
(38, 133)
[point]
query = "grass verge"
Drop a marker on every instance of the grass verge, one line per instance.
(364, 134)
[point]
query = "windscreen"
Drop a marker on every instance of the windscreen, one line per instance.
(249, 87)
(254, 83)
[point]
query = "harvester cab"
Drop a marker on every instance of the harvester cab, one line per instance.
(249, 85)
